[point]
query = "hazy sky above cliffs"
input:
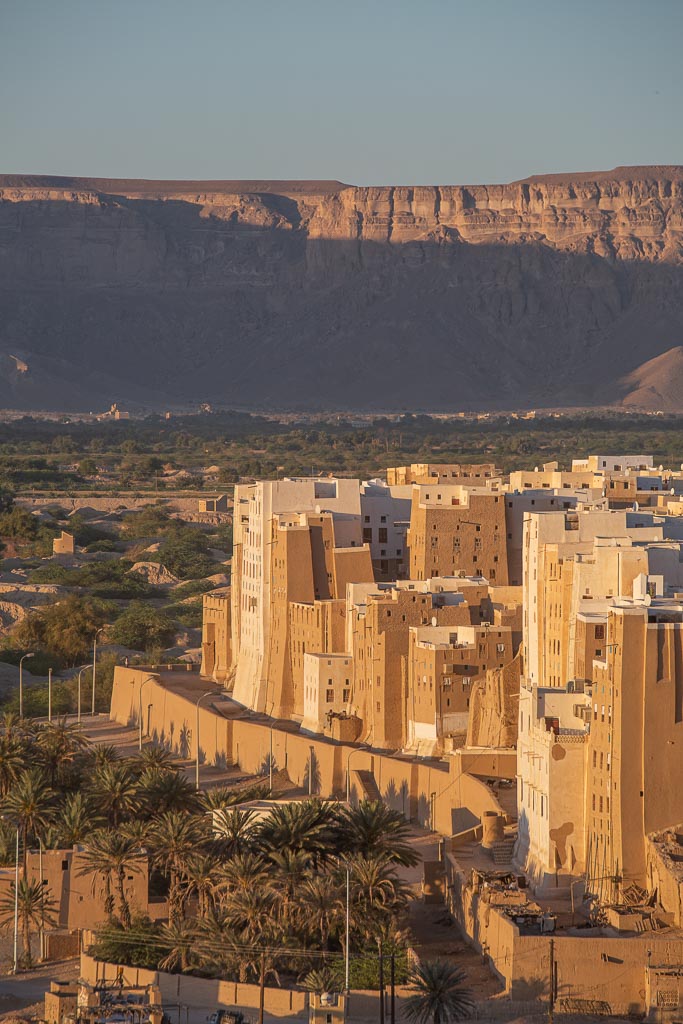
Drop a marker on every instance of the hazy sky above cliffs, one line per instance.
(366, 91)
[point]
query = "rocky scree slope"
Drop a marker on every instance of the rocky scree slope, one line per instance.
(550, 291)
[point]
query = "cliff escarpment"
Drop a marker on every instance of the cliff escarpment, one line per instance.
(550, 291)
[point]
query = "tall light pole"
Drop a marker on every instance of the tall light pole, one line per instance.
(209, 693)
(347, 964)
(270, 761)
(79, 692)
(94, 666)
(144, 682)
(21, 682)
(15, 968)
(49, 695)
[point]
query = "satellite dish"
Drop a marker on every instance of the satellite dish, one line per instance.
(434, 620)
(647, 600)
(661, 469)
(636, 506)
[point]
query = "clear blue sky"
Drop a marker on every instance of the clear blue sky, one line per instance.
(367, 91)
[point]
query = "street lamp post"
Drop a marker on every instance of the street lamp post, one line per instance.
(79, 692)
(21, 682)
(94, 667)
(347, 964)
(209, 693)
(49, 695)
(15, 968)
(149, 679)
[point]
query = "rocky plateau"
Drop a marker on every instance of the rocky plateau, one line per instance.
(554, 291)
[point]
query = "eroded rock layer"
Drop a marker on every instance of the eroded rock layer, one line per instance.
(549, 291)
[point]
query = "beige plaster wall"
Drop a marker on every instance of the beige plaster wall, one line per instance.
(439, 793)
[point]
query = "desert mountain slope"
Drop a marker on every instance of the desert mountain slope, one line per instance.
(321, 295)
(657, 384)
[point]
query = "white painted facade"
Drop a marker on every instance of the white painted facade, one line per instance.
(551, 784)
(255, 506)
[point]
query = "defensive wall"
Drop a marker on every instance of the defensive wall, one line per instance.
(436, 794)
(198, 997)
(112, 503)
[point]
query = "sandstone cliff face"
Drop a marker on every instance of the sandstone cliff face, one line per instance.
(294, 294)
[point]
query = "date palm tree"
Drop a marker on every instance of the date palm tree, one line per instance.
(373, 828)
(103, 753)
(35, 906)
(235, 829)
(28, 805)
(305, 826)
(250, 913)
(111, 854)
(290, 868)
(320, 908)
(58, 744)
(156, 757)
(377, 893)
(439, 995)
(12, 758)
(174, 838)
(114, 792)
(180, 940)
(245, 871)
(201, 873)
(165, 789)
(74, 822)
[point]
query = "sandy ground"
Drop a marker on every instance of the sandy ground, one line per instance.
(22, 995)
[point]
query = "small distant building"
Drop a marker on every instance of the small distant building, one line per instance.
(114, 413)
(219, 504)
(80, 894)
(327, 1008)
(64, 544)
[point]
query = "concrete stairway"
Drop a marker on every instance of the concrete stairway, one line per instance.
(366, 785)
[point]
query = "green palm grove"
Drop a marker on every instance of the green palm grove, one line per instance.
(243, 892)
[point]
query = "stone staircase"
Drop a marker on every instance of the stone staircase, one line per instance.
(366, 784)
(502, 851)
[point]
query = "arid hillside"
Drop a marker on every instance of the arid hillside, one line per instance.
(550, 291)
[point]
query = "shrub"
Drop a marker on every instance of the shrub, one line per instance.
(18, 524)
(142, 627)
(65, 629)
(137, 946)
(189, 615)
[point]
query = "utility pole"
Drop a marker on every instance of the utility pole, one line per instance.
(42, 900)
(94, 667)
(49, 695)
(262, 990)
(381, 984)
(551, 995)
(392, 981)
(15, 968)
